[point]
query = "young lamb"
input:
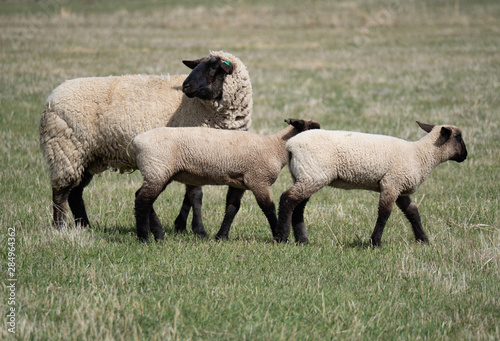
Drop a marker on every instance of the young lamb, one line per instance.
(204, 156)
(388, 165)
(88, 123)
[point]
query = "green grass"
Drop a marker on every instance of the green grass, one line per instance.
(373, 66)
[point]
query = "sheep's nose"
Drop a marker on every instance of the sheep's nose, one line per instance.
(187, 89)
(464, 155)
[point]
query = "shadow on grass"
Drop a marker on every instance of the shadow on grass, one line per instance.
(127, 233)
(254, 238)
(114, 233)
(359, 243)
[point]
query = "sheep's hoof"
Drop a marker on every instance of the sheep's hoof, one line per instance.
(280, 240)
(143, 239)
(180, 226)
(200, 234)
(158, 234)
(221, 237)
(301, 241)
(82, 223)
(375, 242)
(159, 239)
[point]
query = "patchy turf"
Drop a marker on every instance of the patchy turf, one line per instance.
(373, 66)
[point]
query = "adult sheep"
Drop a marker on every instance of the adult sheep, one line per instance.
(88, 123)
(393, 167)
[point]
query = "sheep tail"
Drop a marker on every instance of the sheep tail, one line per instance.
(61, 150)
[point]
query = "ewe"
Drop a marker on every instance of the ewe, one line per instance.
(204, 156)
(88, 123)
(350, 160)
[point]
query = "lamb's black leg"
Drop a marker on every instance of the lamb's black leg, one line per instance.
(59, 200)
(144, 199)
(233, 201)
(76, 203)
(288, 202)
(193, 198)
(154, 223)
(295, 199)
(410, 210)
(155, 226)
(266, 204)
(299, 227)
(196, 197)
(386, 202)
(181, 220)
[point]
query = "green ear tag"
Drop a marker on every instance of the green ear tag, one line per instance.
(227, 63)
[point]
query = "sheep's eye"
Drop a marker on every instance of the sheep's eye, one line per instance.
(458, 137)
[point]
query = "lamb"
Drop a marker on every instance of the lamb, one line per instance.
(88, 123)
(204, 156)
(393, 167)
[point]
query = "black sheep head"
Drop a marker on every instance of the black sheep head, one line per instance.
(207, 78)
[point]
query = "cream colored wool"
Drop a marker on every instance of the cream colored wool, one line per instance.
(204, 156)
(89, 123)
(352, 160)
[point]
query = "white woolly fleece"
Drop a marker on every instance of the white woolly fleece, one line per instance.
(88, 123)
(352, 160)
(235, 108)
(202, 156)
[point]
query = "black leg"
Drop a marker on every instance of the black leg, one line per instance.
(266, 204)
(270, 212)
(196, 198)
(299, 227)
(410, 210)
(295, 198)
(286, 208)
(386, 202)
(76, 202)
(192, 198)
(144, 200)
(181, 220)
(233, 201)
(155, 226)
(59, 200)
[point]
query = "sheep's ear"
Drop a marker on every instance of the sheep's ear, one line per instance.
(191, 63)
(425, 126)
(445, 133)
(314, 125)
(297, 124)
(226, 66)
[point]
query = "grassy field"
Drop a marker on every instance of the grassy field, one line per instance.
(366, 65)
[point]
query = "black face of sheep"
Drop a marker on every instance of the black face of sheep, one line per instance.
(450, 137)
(207, 77)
